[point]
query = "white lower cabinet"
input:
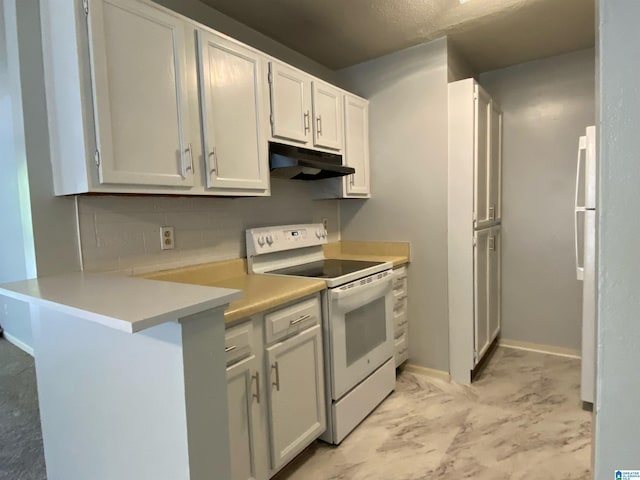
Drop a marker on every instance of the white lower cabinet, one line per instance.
(243, 392)
(276, 392)
(296, 395)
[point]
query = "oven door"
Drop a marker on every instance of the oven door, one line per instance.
(361, 330)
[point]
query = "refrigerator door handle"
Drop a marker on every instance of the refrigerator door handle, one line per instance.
(580, 180)
(579, 265)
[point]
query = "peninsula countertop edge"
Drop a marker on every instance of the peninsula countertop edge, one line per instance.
(123, 303)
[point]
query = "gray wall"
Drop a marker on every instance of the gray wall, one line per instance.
(617, 417)
(547, 104)
(408, 137)
(227, 25)
(49, 226)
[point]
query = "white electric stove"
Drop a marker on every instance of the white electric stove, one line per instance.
(357, 318)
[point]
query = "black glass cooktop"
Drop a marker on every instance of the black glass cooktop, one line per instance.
(328, 268)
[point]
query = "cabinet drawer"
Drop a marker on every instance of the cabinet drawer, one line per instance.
(399, 295)
(400, 327)
(401, 352)
(400, 278)
(292, 319)
(237, 342)
(400, 306)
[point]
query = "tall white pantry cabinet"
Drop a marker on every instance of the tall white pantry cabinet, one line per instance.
(474, 217)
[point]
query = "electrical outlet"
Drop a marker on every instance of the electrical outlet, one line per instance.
(167, 238)
(325, 223)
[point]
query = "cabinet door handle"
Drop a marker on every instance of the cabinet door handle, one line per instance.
(230, 349)
(256, 377)
(190, 151)
(492, 212)
(214, 163)
(306, 122)
(302, 318)
(492, 243)
(319, 124)
(352, 179)
(277, 382)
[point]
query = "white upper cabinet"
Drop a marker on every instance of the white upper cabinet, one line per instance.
(290, 103)
(495, 149)
(138, 58)
(484, 214)
(327, 116)
(487, 159)
(143, 100)
(234, 117)
(356, 148)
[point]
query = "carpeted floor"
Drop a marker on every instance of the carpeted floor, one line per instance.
(21, 454)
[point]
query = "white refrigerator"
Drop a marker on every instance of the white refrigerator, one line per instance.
(585, 252)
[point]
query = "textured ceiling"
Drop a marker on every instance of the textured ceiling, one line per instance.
(489, 33)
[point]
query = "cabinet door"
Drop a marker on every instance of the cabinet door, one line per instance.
(327, 116)
(481, 262)
(356, 148)
(495, 147)
(483, 214)
(138, 61)
(495, 282)
(290, 103)
(233, 116)
(296, 394)
(243, 401)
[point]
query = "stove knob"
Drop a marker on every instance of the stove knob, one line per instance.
(270, 239)
(324, 234)
(261, 240)
(318, 233)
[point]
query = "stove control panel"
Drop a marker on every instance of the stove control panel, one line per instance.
(287, 237)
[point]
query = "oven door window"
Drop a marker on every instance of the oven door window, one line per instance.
(365, 329)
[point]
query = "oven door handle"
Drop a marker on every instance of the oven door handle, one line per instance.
(365, 293)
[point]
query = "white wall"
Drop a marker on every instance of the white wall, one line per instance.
(617, 418)
(547, 104)
(227, 25)
(123, 233)
(46, 224)
(17, 256)
(408, 137)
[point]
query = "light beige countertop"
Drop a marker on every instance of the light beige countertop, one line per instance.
(263, 292)
(260, 292)
(397, 253)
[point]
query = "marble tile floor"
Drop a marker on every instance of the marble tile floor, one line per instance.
(522, 419)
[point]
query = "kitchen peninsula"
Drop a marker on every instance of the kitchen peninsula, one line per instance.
(129, 376)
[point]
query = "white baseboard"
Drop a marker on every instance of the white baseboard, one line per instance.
(430, 372)
(18, 343)
(538, 348)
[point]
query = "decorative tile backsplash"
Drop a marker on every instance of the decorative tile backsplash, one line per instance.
(122, 233)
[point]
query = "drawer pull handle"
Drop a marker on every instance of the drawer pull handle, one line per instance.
(230, 349)
(256, 377)
(301, 319)
(277, 382)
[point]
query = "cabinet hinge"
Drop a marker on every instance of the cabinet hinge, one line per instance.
(85, 5)
(96, 156)
(271, 119)
(270, 78)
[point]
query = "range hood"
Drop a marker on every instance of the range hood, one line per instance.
(297, 163)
